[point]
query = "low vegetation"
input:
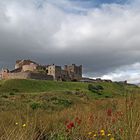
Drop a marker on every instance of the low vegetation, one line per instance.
(47, 110)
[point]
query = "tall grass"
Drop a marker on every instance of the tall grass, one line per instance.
(104, 119)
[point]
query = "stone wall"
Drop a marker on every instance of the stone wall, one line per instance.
(74, 71)
(28, 75)
(40, 76)
(55, 71)
(20, 63)
(31, 67)
(19, 75)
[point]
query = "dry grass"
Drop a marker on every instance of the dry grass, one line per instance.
(104, 119)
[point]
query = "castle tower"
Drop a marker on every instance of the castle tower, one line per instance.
(55, 71)
(74, 72)
(4, 73)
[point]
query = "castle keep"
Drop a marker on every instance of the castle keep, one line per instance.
(27, 69)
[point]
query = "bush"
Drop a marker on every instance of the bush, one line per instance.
(15, 90)
(35, 105)
(4, 96)
(90, 87)
(11, 93)
(95, 87)
(63, 102)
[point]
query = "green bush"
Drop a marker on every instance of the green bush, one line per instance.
(4, 96)
(95, 87)
(63, 102)
(11, 93)
(35, 105)
(15, 90)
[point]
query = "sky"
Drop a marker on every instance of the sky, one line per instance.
(102, 35)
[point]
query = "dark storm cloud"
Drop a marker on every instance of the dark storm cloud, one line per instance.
(102, 39)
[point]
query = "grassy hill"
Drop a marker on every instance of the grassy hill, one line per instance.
(56, 95)
(33, 109)
(29, 86)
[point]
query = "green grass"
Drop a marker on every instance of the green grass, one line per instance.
(38, 86)
(45, 106)
(51, 95)
(31, 86)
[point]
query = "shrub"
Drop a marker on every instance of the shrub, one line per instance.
(11, 93)
(35, 105)
(4, 96)
(15, 90)
(95, 88)
(63, 102)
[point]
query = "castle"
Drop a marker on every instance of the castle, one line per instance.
(27, 69)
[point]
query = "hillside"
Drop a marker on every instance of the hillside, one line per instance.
(50, 95)
(31, 86)
(32, 109)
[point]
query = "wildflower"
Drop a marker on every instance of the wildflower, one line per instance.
(94, 135)
(103, 134)
(78, 121)
(70, 125)
(24, 125)
(121, 130)
(109, 112)
(120, 113)
(113, 120)
(102, 131)
(16, 123)
(89, 133)
(108, 135)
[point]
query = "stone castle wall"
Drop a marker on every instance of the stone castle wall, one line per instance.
(19, 75)
(27, 69)
(40, 76)
(28, 75)
(31, 67)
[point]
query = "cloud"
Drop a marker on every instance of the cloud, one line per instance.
(103, 38)
(129, 72)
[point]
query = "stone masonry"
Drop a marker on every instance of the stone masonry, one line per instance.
(27, 69)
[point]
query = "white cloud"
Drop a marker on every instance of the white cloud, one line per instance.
(131, 73)
(103, 39)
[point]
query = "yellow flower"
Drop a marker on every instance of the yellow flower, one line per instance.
(103, 134)
(24, 125)
(102, 131)
(16, 123)
(89, 133)
(108, 135)
(112, 139)
(94, 135)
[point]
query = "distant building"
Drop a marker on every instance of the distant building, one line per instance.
(27, 69)
(55, 71)
(74, 72)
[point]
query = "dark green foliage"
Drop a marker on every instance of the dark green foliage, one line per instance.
(62, 102)
(15, 90)
(108, 96)
(35, 105)
(99, 87)
(95, 88)
(4, 96)
(11, 93)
